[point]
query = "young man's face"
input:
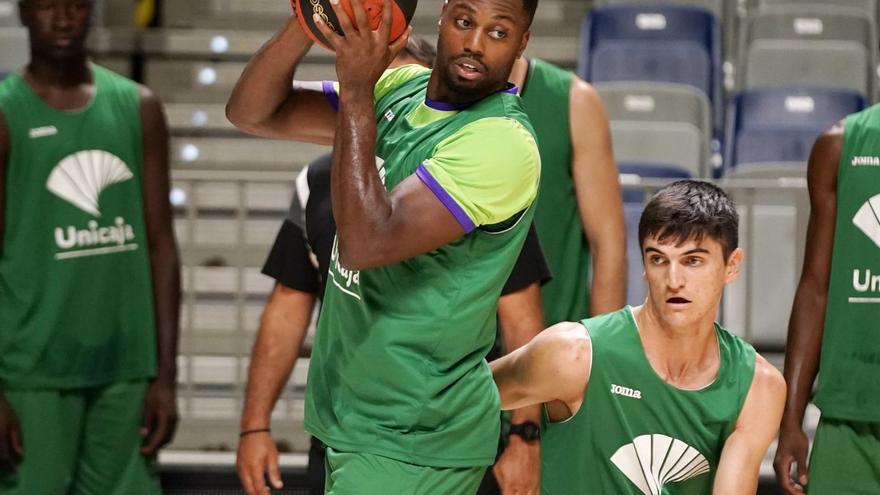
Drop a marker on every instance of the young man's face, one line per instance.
(58, 28)
(685, 281)
(478, 44)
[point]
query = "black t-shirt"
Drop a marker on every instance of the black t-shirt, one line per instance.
(300, 257)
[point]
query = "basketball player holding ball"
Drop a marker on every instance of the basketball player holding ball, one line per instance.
(398, 388)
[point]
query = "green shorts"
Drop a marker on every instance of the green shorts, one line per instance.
(81, 442)
(845, 458)
(369, 474)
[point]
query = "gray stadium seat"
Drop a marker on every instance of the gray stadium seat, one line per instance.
(8, 13)
(868, 6)
(15, 52)
(668, 124)
(714, 6)
(810, 45)
(242, 154)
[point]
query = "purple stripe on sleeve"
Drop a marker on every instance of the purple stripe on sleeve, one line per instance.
(463, 219)
(330, 94)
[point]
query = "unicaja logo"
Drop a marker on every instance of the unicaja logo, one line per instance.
(867, 219)
(79, 179)
(652, 461)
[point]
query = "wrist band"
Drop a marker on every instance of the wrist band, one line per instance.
(257, 430)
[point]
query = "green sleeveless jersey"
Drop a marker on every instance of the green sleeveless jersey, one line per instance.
(75, 291)
(545, 96)
(397, 365)
(850, 361)
(636, 434)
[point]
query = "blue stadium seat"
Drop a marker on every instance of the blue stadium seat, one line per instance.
(634, 200)
(3, 74)
(663, 43)
(776, 127)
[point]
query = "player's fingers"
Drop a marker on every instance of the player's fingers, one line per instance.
(362, 22)
(275, 473)
(329, 34)
(802, 476)
(400, 43)
(384, 29)
(156, 435)
(783, 475)
(342, 18)
(244, 476)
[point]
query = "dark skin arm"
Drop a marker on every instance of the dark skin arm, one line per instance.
(375, 227)
(520, 319)
(263, 101)
(160, 404)
(11, 447)
(806, 325)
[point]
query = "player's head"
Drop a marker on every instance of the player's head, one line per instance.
(57, 28)
(688, 235)
(417, 51)
(479, 42)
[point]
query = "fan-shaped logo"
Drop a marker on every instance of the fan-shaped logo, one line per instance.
(80, 178)
(867, 219)
(652, 461)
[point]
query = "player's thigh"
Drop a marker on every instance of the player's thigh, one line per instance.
(845, 458)
(51, 421)
(110, 461)
(367, 474)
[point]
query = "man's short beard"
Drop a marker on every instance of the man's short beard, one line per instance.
(469, 90)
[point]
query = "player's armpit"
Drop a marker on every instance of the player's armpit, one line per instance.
(555, 365)
(756, 426)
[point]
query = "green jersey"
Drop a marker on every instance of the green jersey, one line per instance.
(398, 366)
(75, 290)
(636, 434)
(545, 96)
(850, 360)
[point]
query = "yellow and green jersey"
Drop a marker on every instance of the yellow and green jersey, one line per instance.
(850, 361)
(398, 366)
(635, 434)
(76, 299)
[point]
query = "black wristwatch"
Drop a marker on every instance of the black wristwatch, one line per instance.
(527, 430)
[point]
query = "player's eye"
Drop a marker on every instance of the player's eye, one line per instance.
(657, 260)
(693, 261)
(498, 34)
(463, 23)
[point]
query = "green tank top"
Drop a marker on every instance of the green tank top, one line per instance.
(75, 293)
(397, 367)
(636, 434)
(850, 360)
(545, 98)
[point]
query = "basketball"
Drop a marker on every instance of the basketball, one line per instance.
(306, 9)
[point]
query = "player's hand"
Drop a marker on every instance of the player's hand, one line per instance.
(792, 449)
(258, 457)
(160, 416)
(11, 447)
(518, 470)
(362, 55)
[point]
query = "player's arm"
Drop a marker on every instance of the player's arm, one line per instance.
(160, 405)
(756, 426)
(597, 188)
(554, 366)
(283, 328)
(520, 319)
(11, 447)
(806, 325)
(266, 102)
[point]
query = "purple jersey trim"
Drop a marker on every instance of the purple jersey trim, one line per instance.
(330, 94)
(463, 219)
(451, 107)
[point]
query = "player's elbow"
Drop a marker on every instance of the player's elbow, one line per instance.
(239, 116)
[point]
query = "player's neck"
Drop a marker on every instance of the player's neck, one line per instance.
(685, 356)
(65, 73)
(519, 72)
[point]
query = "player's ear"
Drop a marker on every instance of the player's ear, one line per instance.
(734, 261)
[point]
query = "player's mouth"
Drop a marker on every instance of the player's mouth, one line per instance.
(677, 301)
(468, 68)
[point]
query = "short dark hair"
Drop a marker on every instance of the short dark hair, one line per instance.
(419, 49)
(691, 209)
(530, 6)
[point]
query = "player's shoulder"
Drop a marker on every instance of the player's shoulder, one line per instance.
(767, 377)
(567, 344)
(392, 79)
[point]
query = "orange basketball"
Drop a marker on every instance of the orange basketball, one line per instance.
(305, 9)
